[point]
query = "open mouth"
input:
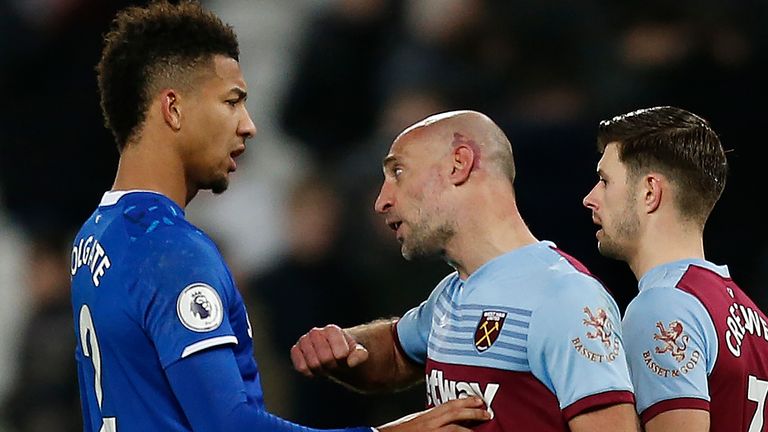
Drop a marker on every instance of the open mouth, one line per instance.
(232, 156)
(395, 225)
(237, 152)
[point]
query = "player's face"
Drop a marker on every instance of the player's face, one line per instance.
(612, 201)
(216, 124)
(410, 198)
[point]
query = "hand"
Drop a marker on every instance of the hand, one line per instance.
(447, 417)
(323, 350)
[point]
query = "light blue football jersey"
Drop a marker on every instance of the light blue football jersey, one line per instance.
(531, 332)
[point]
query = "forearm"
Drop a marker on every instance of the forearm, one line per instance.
(386, 369)
(213, 397)
(619, 417)
(692, 420)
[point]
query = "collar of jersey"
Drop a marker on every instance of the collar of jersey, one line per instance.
(655, 276)
(503, 259)
(111, 198)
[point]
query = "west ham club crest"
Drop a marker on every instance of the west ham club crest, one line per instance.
(488, 329)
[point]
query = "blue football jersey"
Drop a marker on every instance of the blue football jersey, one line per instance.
(531, 332)
(149, 289)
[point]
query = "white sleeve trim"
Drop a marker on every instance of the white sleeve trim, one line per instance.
(204, 344)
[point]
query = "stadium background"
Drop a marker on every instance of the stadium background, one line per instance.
(331, 83)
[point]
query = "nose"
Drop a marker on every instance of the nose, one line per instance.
(588, 201)
(384, 200)
(246, 127)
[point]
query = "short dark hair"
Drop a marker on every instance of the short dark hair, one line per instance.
(677, 143)
(145, 44)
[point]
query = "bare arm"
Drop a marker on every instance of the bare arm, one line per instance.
(618, 418)
(364, 358)
(458, 415)
(689, 420)
(218, 402)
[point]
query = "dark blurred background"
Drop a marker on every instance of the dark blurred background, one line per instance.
(331, 83)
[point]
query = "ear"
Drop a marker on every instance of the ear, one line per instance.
(170, 105)
(462, 162)
(653, 190)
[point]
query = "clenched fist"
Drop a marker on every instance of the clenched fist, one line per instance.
(323, 350)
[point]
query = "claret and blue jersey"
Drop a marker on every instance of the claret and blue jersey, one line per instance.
(531, 332)
(695, 340)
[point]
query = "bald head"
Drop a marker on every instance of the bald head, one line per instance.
(449, 130)
(447, 179)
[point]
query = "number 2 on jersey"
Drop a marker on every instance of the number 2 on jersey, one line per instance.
(90, 345)
(757, 392)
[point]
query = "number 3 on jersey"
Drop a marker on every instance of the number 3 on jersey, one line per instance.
(757, 392)
(90, 345)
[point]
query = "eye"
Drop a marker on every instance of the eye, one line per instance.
(397, 171)
(232, 102)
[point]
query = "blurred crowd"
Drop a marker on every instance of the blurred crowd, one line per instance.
(331, 83)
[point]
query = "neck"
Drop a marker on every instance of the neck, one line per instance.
(147, 167)
(485, 234)
(660, 246)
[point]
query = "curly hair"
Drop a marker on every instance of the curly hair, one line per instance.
(677, 143)
(146, 47)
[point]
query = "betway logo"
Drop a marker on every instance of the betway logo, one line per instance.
(440, 390)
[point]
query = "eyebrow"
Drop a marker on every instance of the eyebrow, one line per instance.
(241, 94)
(388, 161)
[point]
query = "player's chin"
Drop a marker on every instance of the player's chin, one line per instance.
(219, 185)
(413, 252)
(406, 254)
(610, 250)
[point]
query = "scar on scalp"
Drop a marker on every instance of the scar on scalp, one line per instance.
(459, 139)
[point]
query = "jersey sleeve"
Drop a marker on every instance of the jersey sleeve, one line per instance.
(576, 349)
(671, 349)
(185, 293)
(213, 397)
(413, 328)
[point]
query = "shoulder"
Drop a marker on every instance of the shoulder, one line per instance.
(151, 217)
(573, 306)
(446, 284)
(156, 228)
(164, 244)
(447, 281)
(567, 289)
(668, 315)
(568, 276)
(571, 301)
(545, 272)
(664, 303)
